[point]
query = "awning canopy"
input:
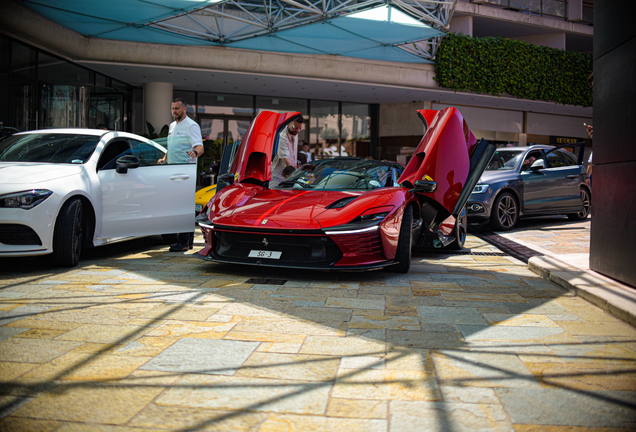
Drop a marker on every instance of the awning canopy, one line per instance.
(404, 31)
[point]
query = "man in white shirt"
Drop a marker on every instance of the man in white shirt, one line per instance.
(287, 149)
(306, 152)
(184, 146)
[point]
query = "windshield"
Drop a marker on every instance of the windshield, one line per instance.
(504, 160)
(48, 147)
(343, 174)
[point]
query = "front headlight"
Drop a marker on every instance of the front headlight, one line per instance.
(25, 200)
(480, 188)
(367, 221)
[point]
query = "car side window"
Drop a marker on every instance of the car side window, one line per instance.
(569, 158)
(147, 154)
(529, 160)
(113, 151)
(555, 160)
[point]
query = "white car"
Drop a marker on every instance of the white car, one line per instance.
(62, 190)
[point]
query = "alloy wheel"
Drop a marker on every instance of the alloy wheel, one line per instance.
(507, 212)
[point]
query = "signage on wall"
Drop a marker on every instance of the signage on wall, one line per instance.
(558, 140)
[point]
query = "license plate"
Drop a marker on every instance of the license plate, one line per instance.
(264, 254)
(198, 208)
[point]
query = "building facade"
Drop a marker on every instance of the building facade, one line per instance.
(53, 76)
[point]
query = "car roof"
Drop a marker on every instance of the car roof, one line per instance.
(85, 131)
(526, 148)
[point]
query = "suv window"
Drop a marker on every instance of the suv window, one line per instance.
(569, 158)
(555, 160)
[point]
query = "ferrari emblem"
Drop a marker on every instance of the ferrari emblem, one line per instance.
(264, 222)
(265, 242)
(427, 177)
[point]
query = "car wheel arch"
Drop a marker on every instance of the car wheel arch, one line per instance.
(89, 220)
(514, 194)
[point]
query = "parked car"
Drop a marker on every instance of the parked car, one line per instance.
(529, 181)
(63, 190)
(203, 197)
(344, 213)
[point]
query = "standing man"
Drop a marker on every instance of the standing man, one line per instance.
(306, 152)
(184, 146)
(287, 149)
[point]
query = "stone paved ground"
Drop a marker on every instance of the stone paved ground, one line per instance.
(138, 338)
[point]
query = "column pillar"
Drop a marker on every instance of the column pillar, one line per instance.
(157, 101)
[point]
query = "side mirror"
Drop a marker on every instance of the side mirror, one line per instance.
(126, 162)
(424, 186)
(227, 178)
(537, 165)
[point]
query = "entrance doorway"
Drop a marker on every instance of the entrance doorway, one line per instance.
(218, 131)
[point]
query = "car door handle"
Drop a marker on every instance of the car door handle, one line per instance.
(572, 176)
(179, 177)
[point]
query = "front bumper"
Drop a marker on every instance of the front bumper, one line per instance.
(477, 211)
(302, 249)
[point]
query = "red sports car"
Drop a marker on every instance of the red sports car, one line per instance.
(344, 213)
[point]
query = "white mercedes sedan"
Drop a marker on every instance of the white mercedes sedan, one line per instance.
(63, 190)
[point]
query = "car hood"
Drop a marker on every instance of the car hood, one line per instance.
(33, 173)
(496, 176)
(255, 207)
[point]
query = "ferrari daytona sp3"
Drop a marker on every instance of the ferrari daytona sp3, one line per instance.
(344, 213)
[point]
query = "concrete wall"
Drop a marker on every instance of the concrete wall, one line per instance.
(613, 233)
(545, 124)
(489, 119)
(401, 119)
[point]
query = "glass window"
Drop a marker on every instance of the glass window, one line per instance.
(569, 158)
(324, 129)
(55, 70)
(5, 54)
(555, 160)
(64, 106)
(343, 174)
(23, 60)
(105, 110)
(226, 104)
(147, 154)
(48, 147)
(281, 105)
(356, 129)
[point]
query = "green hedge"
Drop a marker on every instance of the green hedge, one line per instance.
(497, 66)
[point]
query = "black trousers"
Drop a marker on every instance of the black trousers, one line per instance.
(186, 239)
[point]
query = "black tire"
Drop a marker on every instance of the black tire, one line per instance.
(504, 214)
(69, 234)
(403, 253)
(170, 239)
(459, 232)
(586, 202)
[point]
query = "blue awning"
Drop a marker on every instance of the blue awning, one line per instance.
(373, 32)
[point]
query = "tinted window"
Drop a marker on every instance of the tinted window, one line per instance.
(569, 158)
(146, 153)
(113, 151)
(555, 160)
(48, 147)
(504, 160)
(343, 174)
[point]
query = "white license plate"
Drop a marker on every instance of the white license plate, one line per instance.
(264, 254)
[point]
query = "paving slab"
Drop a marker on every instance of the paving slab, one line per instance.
(138, 338)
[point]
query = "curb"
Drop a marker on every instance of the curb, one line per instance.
(617, 299)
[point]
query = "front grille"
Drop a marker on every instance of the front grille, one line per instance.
(16, 234)
(362, 244)
(316, 251)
